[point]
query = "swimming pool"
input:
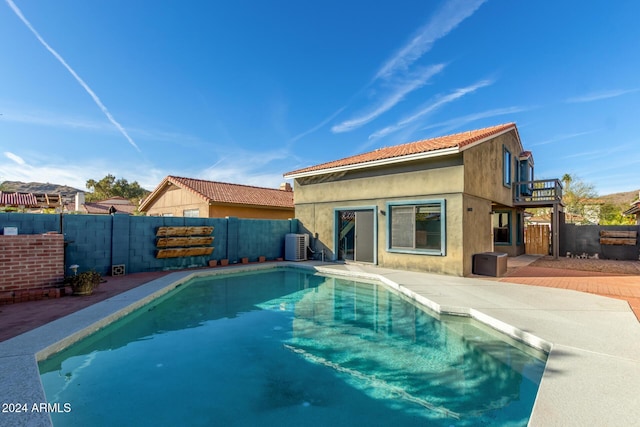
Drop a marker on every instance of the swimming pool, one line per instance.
(289, 347)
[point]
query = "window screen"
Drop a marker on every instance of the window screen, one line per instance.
(417, 227)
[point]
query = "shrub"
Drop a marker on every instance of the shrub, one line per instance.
(84, 283)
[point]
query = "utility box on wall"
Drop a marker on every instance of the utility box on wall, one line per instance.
(490, 264)
(10, 231)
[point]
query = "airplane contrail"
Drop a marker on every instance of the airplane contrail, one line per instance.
(73, 73)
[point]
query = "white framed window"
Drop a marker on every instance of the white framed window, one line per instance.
(191, 213)
(417, 227)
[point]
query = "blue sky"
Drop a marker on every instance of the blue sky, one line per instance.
(245, 91)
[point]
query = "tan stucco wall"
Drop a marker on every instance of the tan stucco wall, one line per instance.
(477, 229)
(319, 219)
(316, 204)
(176, 200)
(221, 211)
(483, 168)
(383, 183)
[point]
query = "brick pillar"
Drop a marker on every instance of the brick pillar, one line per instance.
(30, 262)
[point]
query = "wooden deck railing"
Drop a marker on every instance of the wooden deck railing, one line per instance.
(539, 192)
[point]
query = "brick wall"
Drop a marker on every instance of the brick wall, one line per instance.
(30, 265)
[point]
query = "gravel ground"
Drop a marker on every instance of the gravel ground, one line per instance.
(600, 265)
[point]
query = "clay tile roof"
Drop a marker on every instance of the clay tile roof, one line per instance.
(634, 209)
(96, 208)
(116, 200)
(18, 199)
(120, 204)
(222, 192)
(459, 141)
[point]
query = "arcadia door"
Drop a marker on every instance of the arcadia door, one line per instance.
(356, 235)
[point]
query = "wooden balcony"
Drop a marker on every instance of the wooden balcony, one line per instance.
(545, 192)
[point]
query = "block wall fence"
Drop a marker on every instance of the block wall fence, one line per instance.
(579, 239)
(99, 242)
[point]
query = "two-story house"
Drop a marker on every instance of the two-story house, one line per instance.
(428, 205)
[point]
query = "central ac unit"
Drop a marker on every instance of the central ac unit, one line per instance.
(295, 247)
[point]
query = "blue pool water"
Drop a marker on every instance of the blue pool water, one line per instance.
(289, 348)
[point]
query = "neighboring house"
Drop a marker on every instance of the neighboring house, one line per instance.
(545, 218)
(428, 205)
(187, 197)
(634, 210)
(591, 211)
(113, 205)
(588, 212)
(30, 202)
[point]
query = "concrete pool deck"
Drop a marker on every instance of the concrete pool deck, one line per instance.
(592, 374)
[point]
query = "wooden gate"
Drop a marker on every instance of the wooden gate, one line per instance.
(536, 240)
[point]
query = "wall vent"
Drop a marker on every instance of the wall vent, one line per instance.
(117, 270)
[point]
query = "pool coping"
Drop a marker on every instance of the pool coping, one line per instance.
(592, 374)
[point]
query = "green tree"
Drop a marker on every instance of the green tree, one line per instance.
(109, 186)
(611, 214)
(577, 196)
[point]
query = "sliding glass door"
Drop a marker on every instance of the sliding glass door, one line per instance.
(355, 235)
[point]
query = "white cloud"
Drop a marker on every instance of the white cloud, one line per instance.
(459, 121)
(430, 108)
(441, 23)
(396, 72)
(19, 160)
(57, 170)
(262, 169)
(610, 152)
(564, 137)
(74, 176)
(54, 120)
(318, 126)
(82, 83)
(596, 96)
(414, 82)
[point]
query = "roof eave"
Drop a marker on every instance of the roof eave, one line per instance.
(633, 210)
(382, 162)
(151, 197)
(492, 136)
(417, 156)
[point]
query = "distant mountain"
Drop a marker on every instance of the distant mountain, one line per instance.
(68, 193)
(38, 187)
(624, 198)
